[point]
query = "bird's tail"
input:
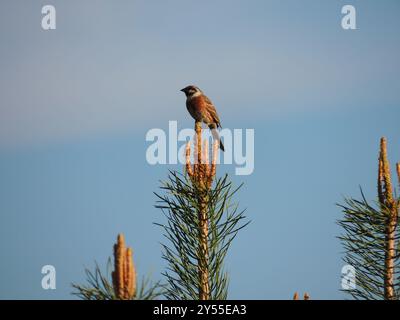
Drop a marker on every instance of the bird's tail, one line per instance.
(216, 136)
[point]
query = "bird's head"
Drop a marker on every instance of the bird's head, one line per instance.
(191, 91)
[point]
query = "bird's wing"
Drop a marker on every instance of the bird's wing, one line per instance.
(212, 111)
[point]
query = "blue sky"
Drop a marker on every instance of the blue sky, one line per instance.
(76, 103)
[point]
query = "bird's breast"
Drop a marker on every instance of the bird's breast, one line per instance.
(195, 106)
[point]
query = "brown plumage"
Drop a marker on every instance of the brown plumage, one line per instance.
(202, 109)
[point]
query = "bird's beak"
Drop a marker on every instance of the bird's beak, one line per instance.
(183, 90)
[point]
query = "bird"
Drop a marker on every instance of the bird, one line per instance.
(202, 109)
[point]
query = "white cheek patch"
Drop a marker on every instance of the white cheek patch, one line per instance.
(194, 95)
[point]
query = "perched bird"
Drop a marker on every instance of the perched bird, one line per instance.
(202, 109)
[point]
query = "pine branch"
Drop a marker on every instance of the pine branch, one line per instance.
(119, 284)
(372, 240)
(201, 224)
